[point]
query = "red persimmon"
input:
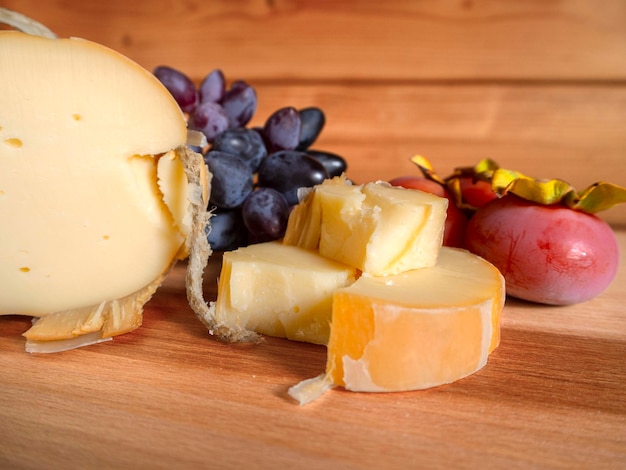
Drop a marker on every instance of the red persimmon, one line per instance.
(549, 254)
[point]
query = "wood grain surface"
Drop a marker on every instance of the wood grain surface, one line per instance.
(539, 86)
(356, 39)
(170, 396)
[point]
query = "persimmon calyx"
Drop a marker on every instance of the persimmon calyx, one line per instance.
(597, 197)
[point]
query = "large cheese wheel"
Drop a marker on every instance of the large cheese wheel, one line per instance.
(94, 197)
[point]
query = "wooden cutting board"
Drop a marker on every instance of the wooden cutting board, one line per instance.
(553, 395)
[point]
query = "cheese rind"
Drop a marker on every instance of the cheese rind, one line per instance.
(91, 209)
(279, 290)
(375, 228)
(418, 329)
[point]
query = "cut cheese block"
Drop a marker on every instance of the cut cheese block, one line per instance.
(94, 197)
(415, 330)
(376, 228)
(279, 290)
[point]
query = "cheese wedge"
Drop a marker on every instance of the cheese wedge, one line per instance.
(279, 290)
(374, 227)
(94, 193)
(414, 330)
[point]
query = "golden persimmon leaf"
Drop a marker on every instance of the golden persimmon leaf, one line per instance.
(427, 169)
(540, 191)
(597, 197)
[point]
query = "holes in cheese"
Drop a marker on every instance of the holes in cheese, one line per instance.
(414, 330)
(374, 227)
(13, 142)
(100, 195)
(279, 290)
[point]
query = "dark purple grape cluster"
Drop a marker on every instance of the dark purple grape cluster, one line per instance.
(257, 171)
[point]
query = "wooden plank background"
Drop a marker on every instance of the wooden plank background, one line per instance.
(537, 85)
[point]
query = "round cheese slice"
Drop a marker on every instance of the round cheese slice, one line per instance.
(415, 330)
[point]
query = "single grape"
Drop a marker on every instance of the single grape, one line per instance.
(334, 164)
(288, 170)
(239, 103)
(210, 119)
(265, 213)
(179, 85)
(245, 143)
(227, 230)
(282, 130)
(259, 130)
(232, 180)
(312, 121)
(212, 87)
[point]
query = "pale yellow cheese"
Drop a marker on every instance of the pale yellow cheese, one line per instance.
(279, 290)
(93, 200)
(418, 329)
(374, 227)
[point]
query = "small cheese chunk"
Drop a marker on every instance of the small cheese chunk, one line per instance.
(414, 330)
(279, 290)
(375, 228)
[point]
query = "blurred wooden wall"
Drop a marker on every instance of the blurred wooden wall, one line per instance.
(537, 85)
